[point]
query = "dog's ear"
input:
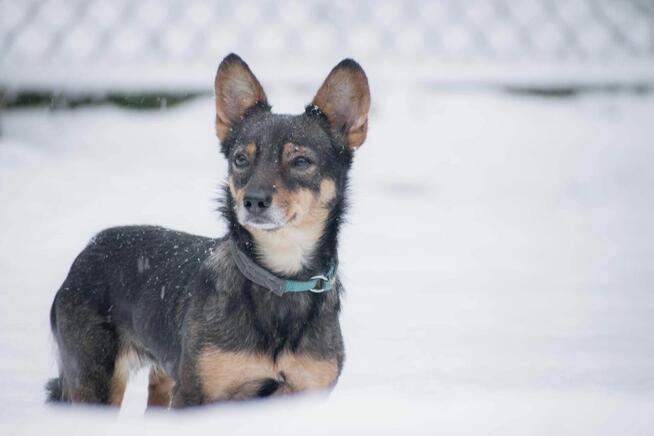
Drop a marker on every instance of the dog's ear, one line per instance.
(344, 98)
(237, 90)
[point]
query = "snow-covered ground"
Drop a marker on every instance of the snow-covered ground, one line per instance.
(498, 260)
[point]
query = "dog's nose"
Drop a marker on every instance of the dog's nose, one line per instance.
(257, 201)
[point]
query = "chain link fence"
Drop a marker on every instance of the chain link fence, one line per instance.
(172, 44)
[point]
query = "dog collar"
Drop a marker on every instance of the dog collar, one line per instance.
(277, 285)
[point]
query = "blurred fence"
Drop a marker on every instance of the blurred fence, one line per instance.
(174, 44)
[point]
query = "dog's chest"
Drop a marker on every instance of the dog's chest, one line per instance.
(241, 375)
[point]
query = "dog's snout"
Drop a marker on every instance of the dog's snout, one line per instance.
(257, 201)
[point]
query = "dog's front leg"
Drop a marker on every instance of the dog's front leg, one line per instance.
(185, 397)
(187, 391)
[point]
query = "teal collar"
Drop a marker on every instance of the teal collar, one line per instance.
(277, 285)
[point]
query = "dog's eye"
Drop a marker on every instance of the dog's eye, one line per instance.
(240, 160)
(301, 162)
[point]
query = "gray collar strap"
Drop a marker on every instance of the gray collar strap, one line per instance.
(277, 285)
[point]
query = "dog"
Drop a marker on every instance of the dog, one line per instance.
(249, 315)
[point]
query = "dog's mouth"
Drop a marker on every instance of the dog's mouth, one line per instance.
(262, 223)
(270, 221)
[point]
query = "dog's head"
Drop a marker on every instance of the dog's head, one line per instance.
(288, 171)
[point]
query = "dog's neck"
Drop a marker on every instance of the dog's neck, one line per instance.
(287, 251)
(292, 252)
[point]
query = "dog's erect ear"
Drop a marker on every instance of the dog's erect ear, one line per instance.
(237, 90)
(344, 98)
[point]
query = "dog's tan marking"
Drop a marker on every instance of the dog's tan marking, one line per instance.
(327, 191)
(236, 194)
(228, 375)
(291, 150)
(251, 150)
(288, 149)
(288, 249)
(303, 372)
(127, 359)
(118, 385)
(160, 388)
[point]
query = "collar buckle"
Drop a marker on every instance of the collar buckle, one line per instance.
(321, 283)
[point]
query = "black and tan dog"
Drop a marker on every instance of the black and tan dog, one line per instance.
(251, 314)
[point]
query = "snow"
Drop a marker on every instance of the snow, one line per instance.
(497, 259)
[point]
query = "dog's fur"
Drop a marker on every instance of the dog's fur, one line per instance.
(144, 294)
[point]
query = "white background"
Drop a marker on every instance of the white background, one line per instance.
(498, 260)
